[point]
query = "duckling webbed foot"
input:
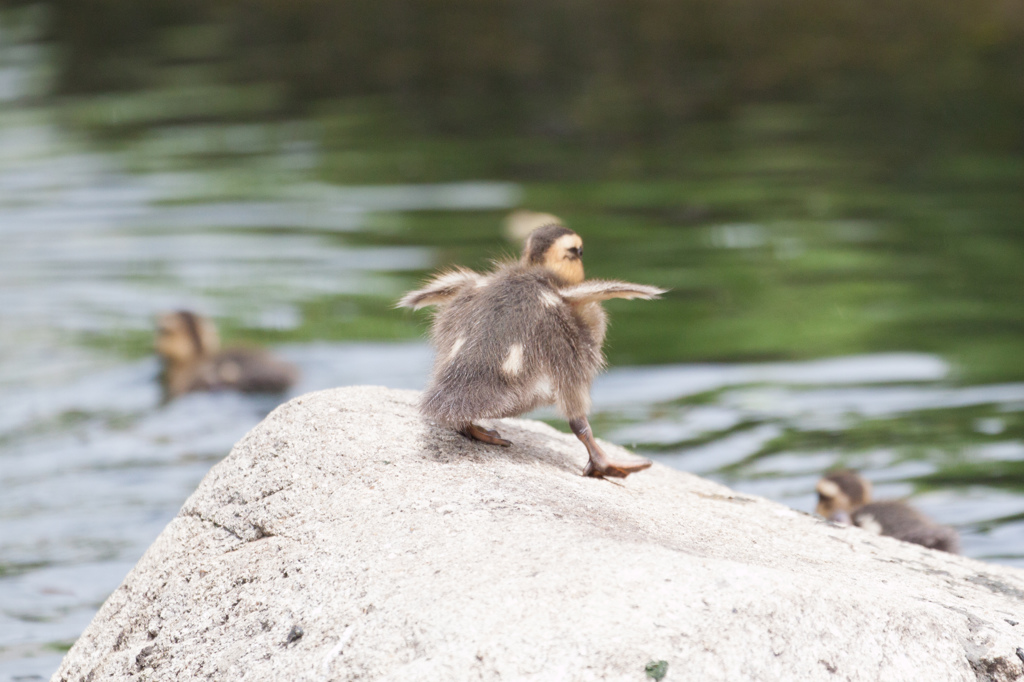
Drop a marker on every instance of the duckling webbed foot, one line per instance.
(600, 464)
(485, 435)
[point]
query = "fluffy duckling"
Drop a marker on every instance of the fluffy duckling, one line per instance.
(526, 334)
(845, 497)
(189, 347)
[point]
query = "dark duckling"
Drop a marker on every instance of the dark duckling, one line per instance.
(189, 348)
(845, 497)
(526, 334)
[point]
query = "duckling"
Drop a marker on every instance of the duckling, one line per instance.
(526, 334)
(845, 497)
(189, 346)
(521, 222)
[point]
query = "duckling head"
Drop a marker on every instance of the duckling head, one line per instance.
(840, 493)
(558, 249)
(183, 337)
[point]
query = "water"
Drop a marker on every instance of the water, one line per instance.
(98, 238)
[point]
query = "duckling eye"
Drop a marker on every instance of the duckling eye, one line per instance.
(576, 251)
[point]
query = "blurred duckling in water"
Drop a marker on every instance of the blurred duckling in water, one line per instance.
(528, 333)
(520, 224)
(189, 347)
(845, 497)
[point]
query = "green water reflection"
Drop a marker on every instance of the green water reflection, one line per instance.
(781, 233)
(779, 238)
(781, 266)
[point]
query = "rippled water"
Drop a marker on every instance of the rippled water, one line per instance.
(736, 432)
(93, 465)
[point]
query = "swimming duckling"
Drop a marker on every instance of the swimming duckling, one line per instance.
(526, 334)
(520, 223)
(845, 497)
(189, 346)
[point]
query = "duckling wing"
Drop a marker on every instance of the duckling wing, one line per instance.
(603, 289)
(898, 519)
(441, 289)
(935, 536)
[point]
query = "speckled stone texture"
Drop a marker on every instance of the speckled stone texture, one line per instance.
(345, 538)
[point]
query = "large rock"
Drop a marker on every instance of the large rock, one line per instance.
(345, 538)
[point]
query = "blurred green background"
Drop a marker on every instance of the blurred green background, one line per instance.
(864, 157)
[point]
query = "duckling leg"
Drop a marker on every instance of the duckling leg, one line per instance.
(486, 435)
(600, 464)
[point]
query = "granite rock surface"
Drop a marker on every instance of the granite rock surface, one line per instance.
(346, 538)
